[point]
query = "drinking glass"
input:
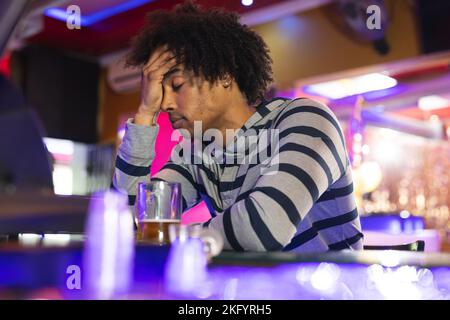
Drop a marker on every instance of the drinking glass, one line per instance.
(158, 205)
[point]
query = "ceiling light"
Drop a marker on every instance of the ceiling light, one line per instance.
(433, 102)
(351, 86)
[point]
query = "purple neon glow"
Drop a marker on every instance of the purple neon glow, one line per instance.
(87, 20)
(385, 93)
(294, 281)
(186, 267)
(300, 281)
(392, 223)
(325, 281)
(342, 88)
(109, 247)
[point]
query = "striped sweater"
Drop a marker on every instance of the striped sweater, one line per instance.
(305, 203)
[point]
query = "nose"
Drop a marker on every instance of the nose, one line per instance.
(167, 103)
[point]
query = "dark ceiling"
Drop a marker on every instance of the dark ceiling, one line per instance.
(114, 33)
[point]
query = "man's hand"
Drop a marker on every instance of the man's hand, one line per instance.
(152, 91)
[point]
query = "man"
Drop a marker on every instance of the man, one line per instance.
(204, 67)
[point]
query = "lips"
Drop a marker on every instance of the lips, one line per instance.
(176, 121)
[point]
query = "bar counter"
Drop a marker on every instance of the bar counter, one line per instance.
(40, 272)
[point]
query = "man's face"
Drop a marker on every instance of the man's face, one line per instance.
(188, 98)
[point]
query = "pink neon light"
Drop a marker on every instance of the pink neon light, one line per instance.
(4, 64)
(163, 148)
(62, 158)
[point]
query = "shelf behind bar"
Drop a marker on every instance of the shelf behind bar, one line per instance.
(41, 212)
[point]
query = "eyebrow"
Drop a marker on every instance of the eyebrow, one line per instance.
(170, 72)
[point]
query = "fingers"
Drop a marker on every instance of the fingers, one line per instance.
(161, 71)
(158, 71)
(153, 72)
(158, 60)
(156, 55)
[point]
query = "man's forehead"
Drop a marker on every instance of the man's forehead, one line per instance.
(177, 70)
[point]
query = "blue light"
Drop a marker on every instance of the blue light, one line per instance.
(88, 20)
(346, 87)
(247, 2)
(290, 26)
(392, 223)
(384, 93)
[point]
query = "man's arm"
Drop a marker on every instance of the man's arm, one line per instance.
(134, 158)
(311, 157)
(136, 151)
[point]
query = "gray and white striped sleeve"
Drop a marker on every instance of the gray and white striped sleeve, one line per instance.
(311, 157)
(133, 162)
(134, 158)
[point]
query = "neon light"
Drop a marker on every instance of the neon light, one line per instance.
(433, 102)
(59, 146)
(62, 179)
(108, 256)
(351, 86)
(4, 64)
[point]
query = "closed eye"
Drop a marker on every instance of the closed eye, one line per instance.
(176, 88)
